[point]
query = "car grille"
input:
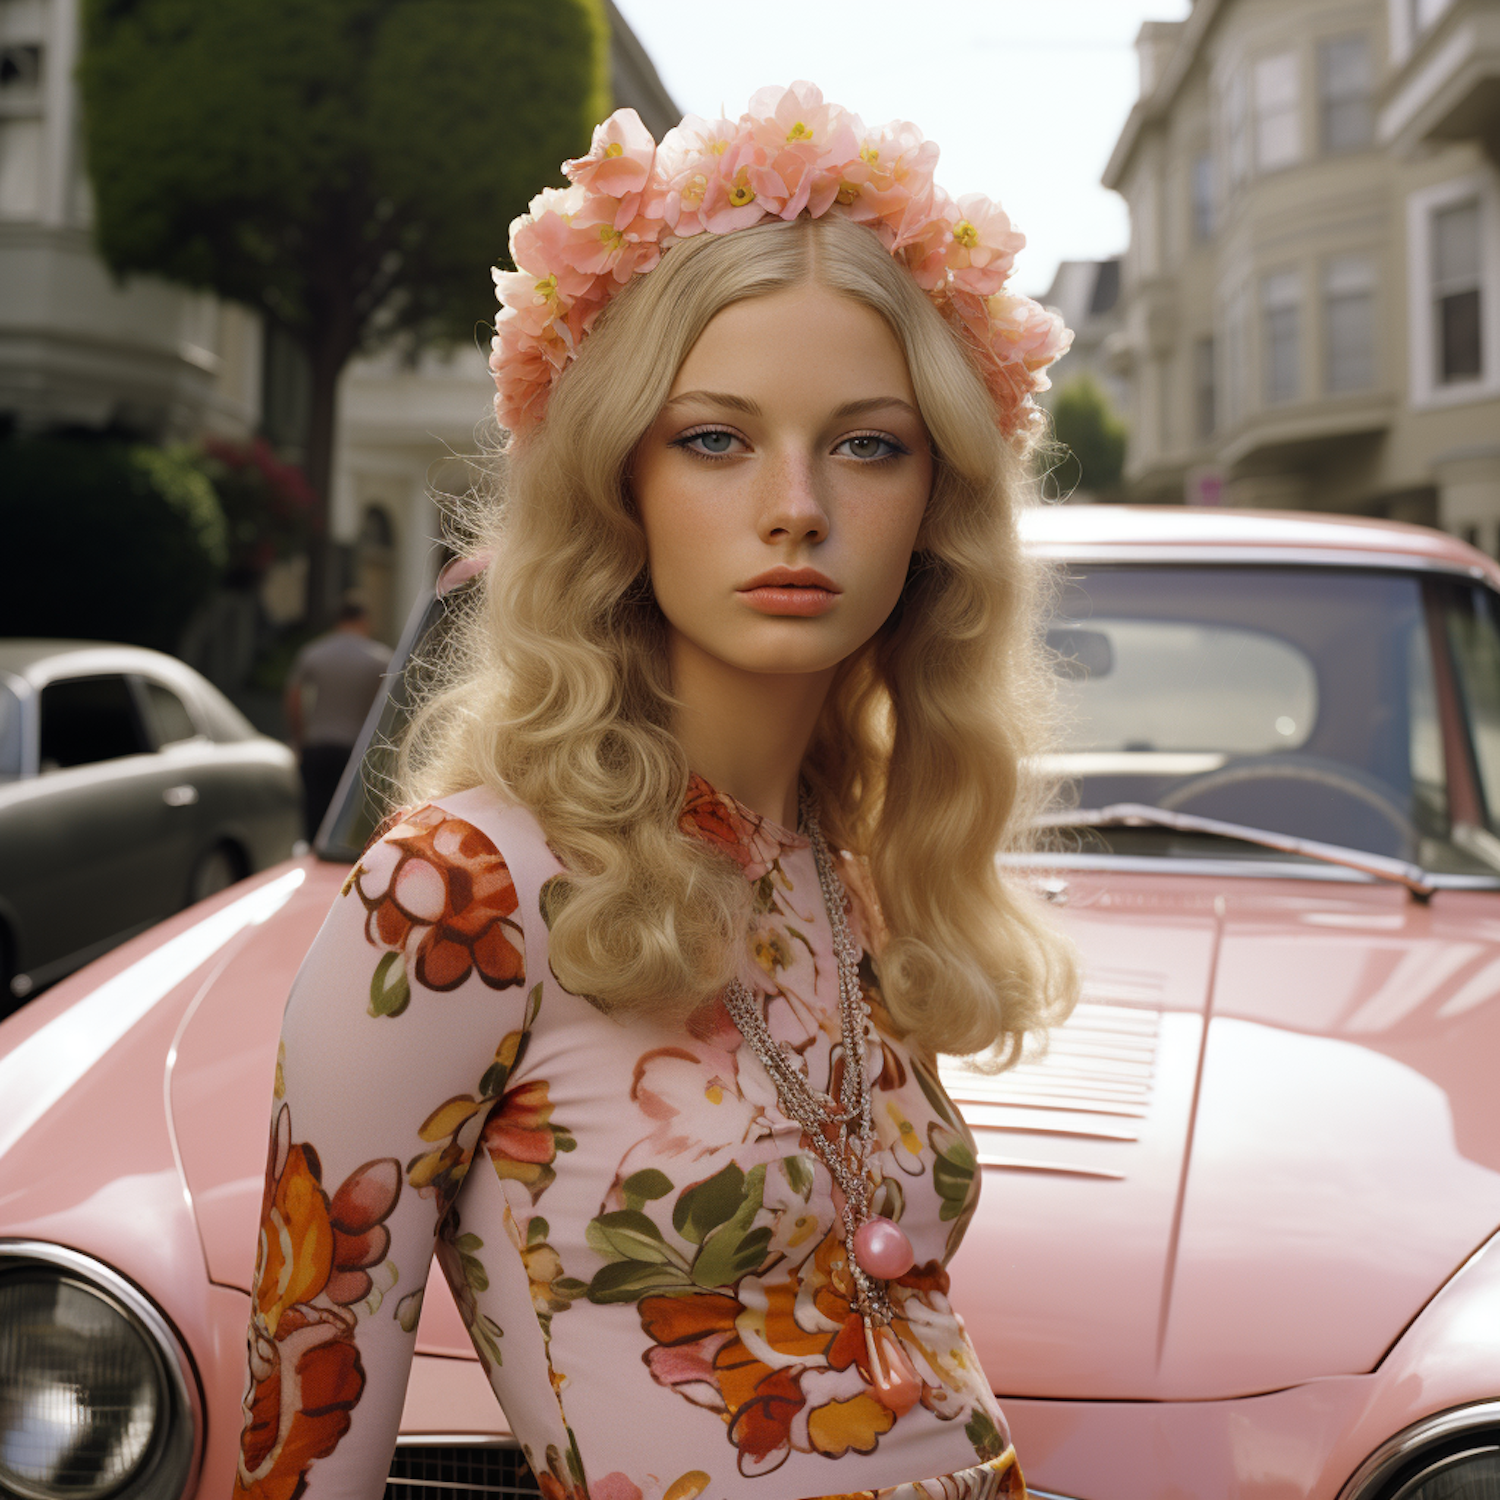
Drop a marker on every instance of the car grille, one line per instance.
(458, 1471)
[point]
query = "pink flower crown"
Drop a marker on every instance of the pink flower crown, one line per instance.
(789, 154)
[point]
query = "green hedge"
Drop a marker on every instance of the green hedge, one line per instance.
(105, 541)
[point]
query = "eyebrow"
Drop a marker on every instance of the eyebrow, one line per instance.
(744, 404)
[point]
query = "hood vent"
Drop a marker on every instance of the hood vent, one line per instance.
(1091, 1081)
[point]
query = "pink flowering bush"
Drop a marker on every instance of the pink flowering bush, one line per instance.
(790, 153)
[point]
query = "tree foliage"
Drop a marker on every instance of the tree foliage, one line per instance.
(121, 542)
(348, 167)
(1086, 425)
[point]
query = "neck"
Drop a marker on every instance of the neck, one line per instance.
(746, 732)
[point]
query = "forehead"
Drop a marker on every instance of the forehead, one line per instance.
(804, 337)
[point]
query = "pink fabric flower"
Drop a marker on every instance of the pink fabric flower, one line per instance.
(620, 157)
(791, 153)
(984, 245)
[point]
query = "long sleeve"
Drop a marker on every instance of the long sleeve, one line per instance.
(404, 1022)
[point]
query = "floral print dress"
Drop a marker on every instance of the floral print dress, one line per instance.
(642, 1244)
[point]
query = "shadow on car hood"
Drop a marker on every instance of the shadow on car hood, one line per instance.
(1262, 1143)
(1264, 1140)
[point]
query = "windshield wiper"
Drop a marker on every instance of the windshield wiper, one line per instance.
(1143, 815)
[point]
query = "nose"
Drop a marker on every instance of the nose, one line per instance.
(792, 505)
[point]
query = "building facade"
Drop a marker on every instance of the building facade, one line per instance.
(1310, 310)
(80, 349)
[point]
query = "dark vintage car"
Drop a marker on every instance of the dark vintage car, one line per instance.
(1240, 1227)
(129, 788)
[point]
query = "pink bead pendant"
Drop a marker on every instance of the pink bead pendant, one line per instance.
(882, 1249)
(893, 1382)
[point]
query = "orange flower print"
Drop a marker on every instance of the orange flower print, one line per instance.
(724, 825)
(313, 1265)
(522, 1140)
(765, 1359)
(438, 895)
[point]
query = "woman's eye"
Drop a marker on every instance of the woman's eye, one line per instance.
(715, 443)
(868, 445)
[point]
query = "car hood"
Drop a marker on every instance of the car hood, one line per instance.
(1260, 1145)
(1267, 1136)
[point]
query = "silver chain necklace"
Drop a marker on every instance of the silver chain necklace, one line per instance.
(842, 1132)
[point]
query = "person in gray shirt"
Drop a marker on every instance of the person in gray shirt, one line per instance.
(342, 672)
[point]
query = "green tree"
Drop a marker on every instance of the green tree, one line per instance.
(120, 543)
(1086, 425)
(347, 167)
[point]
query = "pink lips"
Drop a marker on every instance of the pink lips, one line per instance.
(791, 591)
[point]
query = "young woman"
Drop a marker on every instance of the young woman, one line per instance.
(635, 1012)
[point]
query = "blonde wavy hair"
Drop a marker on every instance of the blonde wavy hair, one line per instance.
(557, 692)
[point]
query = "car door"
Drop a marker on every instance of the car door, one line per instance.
(91, 853)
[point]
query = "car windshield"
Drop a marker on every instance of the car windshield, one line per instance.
(1324, 704)
(1301, 701)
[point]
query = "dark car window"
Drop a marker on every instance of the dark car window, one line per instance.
(88, 719)
(10, 734)
(169, 715)
(1300, 701)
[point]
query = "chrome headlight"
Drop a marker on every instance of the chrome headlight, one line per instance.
(97, 1398)
(1452, 1456)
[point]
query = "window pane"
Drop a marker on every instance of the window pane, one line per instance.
(1349, 305)
(1278, 138)
(1351, 357)
(88, 719)
(1204, 400)
(1455, 246)
(1281, 354)
(1203, 197)
(172, 720)
(1459, 354)
(1345, 87)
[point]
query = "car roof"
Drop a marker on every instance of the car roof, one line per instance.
(1201, 533)
(41, 660)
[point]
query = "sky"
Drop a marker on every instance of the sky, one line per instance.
(1025, 98)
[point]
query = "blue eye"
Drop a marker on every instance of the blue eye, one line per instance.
(870, 445)
(706, 442)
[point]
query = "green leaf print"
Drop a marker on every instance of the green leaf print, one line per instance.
(627, 1234)
(474, 1273)
(468, 1243)
(798, 1171)
(551, 899)
(953, 1169)
(630, 1280)
(644, 1186)
(981, 1431)
(736, 1248)
(706, 1205)
(537, 1230)
(409, 1311)
(936, 1094)
(390, 993)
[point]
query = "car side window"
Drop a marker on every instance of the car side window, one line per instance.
(89, 719)
(10, 734)
(169, 715)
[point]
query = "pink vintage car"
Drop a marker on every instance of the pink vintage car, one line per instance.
(1240, 1234)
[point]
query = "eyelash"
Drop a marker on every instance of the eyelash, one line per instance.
(898, 449)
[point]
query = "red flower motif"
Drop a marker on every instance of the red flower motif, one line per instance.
(437, 890)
